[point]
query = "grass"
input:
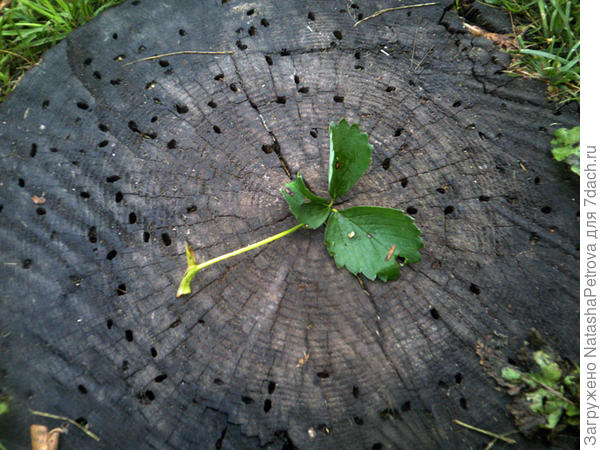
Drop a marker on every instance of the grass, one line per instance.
(30, 27)
(548, 36)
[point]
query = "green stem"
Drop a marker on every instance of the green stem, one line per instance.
(184, 286)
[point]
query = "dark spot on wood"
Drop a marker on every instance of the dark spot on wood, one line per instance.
(267, 405)
(435, 314)
(121, 289)
(82, 389)
(546, 209)
(448, 210)
(271, 387)
(475, 289)
(338, 34)
(338, 98)
(129, 335)
(111, 255)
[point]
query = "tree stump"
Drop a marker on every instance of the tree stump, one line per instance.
(276, 348)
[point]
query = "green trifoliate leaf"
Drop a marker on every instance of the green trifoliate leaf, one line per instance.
(368, 239)
(308, 208)
(566, 147)
(349, 156)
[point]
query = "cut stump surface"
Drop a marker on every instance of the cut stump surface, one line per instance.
(275, 348)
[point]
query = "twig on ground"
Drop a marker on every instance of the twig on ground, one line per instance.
(501, 437)
(17, 55)
(395, 8)
(184, 52)
(67, 419)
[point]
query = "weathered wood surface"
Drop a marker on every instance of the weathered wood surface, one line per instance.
(135, 160)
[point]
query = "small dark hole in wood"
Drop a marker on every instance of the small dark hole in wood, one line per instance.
(411, 210)
(475, 289)
(125, 365)
(27, 263)
(484, 198)
(97, 75)
(21, 182)
(113, 178)
(386, 163)
(411, 83)
(284, 52)
(212, 104)
(359, 67)
(250, 12)
(463, 403)
(358, 421)
(219, 77)
(264, 22)
(398, 132)
(338, 98)
(153, 352)
(118, 197)
(172, 144)
(304, 90)
(314, 133)
(281, 99)
(323, 374)
(390, 89)
(355, 391)
(546, 209)
(241, 45)
(92, 236)
(218, 382)
(82, 105)
(163, 63)
(129, 335)
(109, 323)
(81, 421)
(247, 400)
(537, 180)
(166, 239)
(377, 446)
(111, 255)
(311, 15)
(360, 16)
(404, 182)
(161, 378)
(191, 209)
(103, 127)
(149, 395)
(435, 314)
(458, 378)
(267, 405)
(45, 104)
(181, 109)
(216, 129)
(252, 30)
(40, 211)
(405, 406)
(87, 61)
(121, 289)
(357, 55)
(269, 60)
(271, 387)
(84, 194)
(233, 87)
(33, 150)
(338, 34)
(133, 126)
(448, 210)
(103, 144)
(146, 236)
(441, 190)
(456, 104)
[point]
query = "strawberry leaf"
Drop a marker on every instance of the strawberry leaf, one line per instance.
(349, 156)
(308, 208)
(368, 239)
